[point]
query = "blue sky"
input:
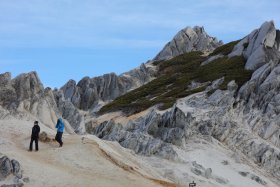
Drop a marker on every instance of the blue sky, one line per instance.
(70, 39)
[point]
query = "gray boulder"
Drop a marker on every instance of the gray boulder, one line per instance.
(16, 168)
(10, 168)
(6, 167)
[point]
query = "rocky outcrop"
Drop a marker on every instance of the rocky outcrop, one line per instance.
(25, 93)
(259, 47)
(187, 40)
(216, 116)
(89, 92)
(69, 112)
(26, 96)
(8, 94)
(246, 120)
(135, 138)
(10, 172)
(74, 100)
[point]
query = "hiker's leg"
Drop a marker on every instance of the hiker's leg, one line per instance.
(60, 138)
(36, 143)
(56, 137)
(31, 144)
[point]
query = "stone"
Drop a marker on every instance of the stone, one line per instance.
(26, 180)
(10, 168)
(16, 169)
(221, 180)
(6, 167)
(225, 162)
(196, 171)
(258, 179)
(208, 173)
(43, 137)
(244, 174)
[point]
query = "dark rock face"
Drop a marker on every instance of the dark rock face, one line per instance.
(10, 168)
(6, 167)
(16, 168)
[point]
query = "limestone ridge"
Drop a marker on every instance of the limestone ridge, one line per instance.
(90, 94)
(26, 93)
(245, 120)
(187, 40)
(90, 91)
(75, 100)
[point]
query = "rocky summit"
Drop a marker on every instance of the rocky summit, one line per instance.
(200, 111)
(187, 40)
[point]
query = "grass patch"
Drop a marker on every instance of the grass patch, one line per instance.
(225, 49)
(175, 76)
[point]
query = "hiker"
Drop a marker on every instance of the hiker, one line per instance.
(60, 129)
(35, 136)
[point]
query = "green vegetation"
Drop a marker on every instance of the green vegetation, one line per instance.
(225, 49)
(173, 82)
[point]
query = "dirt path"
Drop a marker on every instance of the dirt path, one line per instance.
(76, 164)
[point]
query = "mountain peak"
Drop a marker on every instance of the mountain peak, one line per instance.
(187, 40)
(259, 47)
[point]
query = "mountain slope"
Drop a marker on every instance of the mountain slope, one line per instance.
(83, 161)
(198, 112)
(239, 107)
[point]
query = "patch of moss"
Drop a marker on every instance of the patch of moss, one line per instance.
(175, 76)
(225, 49)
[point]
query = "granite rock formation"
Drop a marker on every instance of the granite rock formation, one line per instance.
(187, 40)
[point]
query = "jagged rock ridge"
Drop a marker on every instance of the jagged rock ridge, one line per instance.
(187, 40)
(73, 100)
(245, 120)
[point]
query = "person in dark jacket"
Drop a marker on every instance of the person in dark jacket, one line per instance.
(35, 136)
(60, 129)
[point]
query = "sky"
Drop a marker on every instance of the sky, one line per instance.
(70, 39)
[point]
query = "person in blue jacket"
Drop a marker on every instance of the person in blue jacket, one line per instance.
(60, 130)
